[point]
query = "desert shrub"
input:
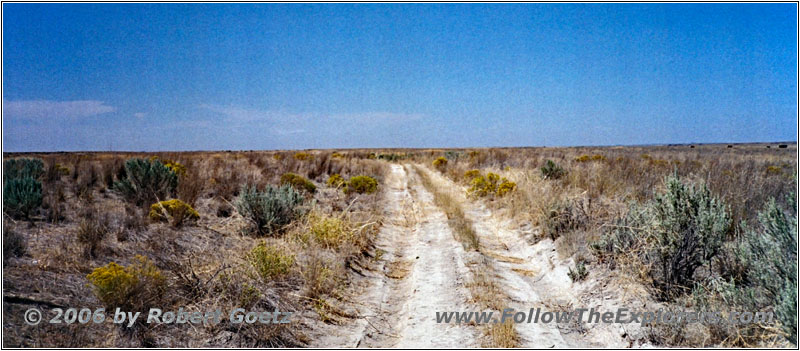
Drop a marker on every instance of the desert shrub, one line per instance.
(579, 273)
(774, 170)
(452, 155)
(303, 156)
(330, 232)
(583, 158)
(298, 182)
(271, 209)
(506, 186)
(190, 186)
(136, 287)
(54, 171)
(336, 181)
(472, 174)
(175, 209)
(440, 163)
(21, 196)
(484, 185)
(14, 244)
(587, 158)
(177, 168)
(133, 221)
(146, 181)
(270, 261)
(624, 237)
(769, 257)
(684, 228)
(480, 186)
(17, 168)
(390, 157)
(319, 275)
(560, 216)
(689, 225)
(224, 210)
(91, 232)
(85, 182)
(362, 185)
(551, 170)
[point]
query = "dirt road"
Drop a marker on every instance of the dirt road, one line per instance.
(423, 269)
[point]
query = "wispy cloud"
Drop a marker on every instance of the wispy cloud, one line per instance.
(241, 114)
(54, 109)
(378, 116)
(288, 132)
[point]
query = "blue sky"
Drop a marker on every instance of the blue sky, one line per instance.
(292, 76)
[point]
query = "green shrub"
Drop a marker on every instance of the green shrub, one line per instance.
(769, 258)
(298, 182)
(270, 261)
(452, 155)
(336, 181)
(680, 230)
(362, 185)
(21, 196)
(579, 273)
(552, 171)
(146, 181)
(17, 168)
(390, 157)
(689, 225)
(132, 288)
(271, 209)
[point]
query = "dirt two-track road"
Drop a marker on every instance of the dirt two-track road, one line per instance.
(423, 268)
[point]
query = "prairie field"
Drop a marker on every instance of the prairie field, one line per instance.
(365, 246)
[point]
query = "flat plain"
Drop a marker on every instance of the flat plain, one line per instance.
(365, 246)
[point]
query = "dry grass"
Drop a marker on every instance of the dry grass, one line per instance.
(600, 182)
(485, 291)
(84, 225)
(452, 208)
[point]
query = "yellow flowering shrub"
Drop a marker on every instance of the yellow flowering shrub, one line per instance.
(471, 174)
(172, 208)
(336, 181)
(490, 184)
(362, 184)
(298, 182)
(506, 186)
(440, 163)
(128, 287)
(176, 167)
(303, 156)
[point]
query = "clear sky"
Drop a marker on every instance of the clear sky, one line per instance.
(275, 76)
